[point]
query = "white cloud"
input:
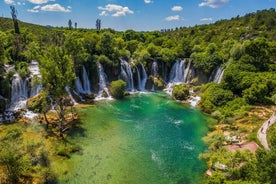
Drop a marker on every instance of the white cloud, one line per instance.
(213, 3)
(36, 7)
(9, 1)
(33, 10)
(116, 10)
(148, 1)
(103, 14)
(172, 18)
(206, 19)
(177, 8)
(55, 8)
(39, 1)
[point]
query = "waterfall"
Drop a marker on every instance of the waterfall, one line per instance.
(181, 72)
(22, 89)
(154, 69)
(86, 82)
(188, 71)
(127, 75)
(35, 74)
(144, 78)
(154, 72)
(78, 86)
(67, 89)
(138, 78)
(103, 90)
(177, 73)
(83, 86)
(218, 75)
(19, 94)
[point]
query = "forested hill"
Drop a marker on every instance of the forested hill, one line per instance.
(260, 23)
(251, 26)
(7, 24)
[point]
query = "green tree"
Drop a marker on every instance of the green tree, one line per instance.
(57, 73)
(258, 50)
(98, 24)
(70, 24)
(75, 47)
(256, 93)
(14, 19)
(215, 96)
(117, 89)
(106, 45)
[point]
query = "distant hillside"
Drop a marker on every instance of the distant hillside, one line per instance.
(7, 24)
(259, 24)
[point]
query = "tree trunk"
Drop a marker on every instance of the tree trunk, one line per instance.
(61, 117)
(47, 122)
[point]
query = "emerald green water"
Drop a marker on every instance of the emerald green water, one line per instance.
(145, 139)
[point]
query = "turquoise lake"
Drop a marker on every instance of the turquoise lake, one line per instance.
(144, 139)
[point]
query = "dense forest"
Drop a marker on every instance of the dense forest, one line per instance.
(243, 48)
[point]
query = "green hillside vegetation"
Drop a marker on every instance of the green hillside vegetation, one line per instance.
(244, 46)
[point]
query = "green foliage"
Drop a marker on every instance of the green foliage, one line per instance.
(273, 98)
(180, 92)
(39, 103)
(208, 58)
(103, 60)
(255, 93)
(22, 69)
(117, 89)
(11, 156)
(271, 137)
(258, 50)
(215, 96)
(57, 71)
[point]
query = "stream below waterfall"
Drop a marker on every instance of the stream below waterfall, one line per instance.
(146, 138)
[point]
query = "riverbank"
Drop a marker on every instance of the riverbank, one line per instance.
(232, 145)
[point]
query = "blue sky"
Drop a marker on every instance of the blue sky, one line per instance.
(140, 15)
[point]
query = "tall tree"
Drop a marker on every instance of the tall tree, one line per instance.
(76, 25)
(57, 73)
(70, 24)
(98, 24)
(14, 19)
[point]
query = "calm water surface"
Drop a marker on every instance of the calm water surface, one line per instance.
(145, 139)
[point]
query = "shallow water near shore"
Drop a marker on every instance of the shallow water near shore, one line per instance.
(146, 138)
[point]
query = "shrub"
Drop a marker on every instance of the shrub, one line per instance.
(117, 89)
(180, 92)
(35, 103)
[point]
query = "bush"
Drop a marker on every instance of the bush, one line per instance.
(35, 103)
(117, 89)
(215, 96)
(180, 92)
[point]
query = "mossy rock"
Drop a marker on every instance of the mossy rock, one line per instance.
(180, 92)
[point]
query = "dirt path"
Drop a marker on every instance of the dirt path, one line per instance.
(262, 131)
